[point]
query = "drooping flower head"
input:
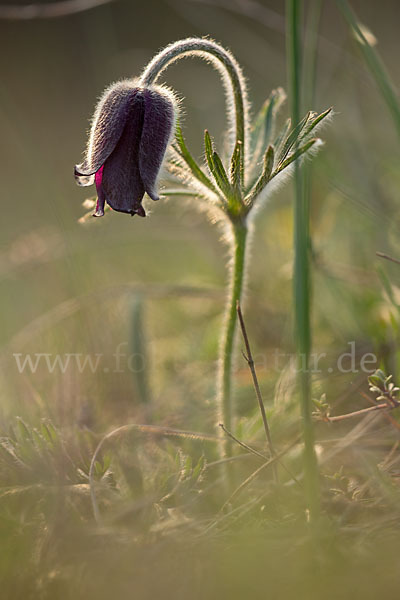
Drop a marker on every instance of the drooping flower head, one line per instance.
(131, 129)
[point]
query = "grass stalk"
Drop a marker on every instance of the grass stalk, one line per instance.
(302, 270)
(374, 63)
(310, 62)
(311, 52)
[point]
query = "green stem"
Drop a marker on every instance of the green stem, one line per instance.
(224, 62)
(310, 74)
(302, 272)
(311, 52)
(239, 231)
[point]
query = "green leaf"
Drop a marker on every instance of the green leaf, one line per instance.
(216, 167)
(209, 151)
(49, 432)
(268, 163)
(184, 153)
(299, 152)
(106, 462)
(264, 123)
(221, 176)
(264, 177)
(314, 122)
(199, 468)
(23, 430)
(98, 468)
(236, 171)
(187, 467)
(291, 139)
(282, 136)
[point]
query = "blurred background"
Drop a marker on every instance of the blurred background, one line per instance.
(152, 289)
(68, 288)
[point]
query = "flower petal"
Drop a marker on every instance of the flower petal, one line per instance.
(159, 118)
(121, 179)
(81, 178)
(107, 126)
(101, 197)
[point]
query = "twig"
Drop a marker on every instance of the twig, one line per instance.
(272, 462)
(242, 444)
(249, 359)
(358, 413)
(382, 255)
(256, 453)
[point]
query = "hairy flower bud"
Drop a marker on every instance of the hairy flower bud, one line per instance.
(131, 129)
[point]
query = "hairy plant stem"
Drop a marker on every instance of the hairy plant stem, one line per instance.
(224, 62)
(237, 111)
(240, 233)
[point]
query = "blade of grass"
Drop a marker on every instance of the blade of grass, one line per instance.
(374, 63)
(302, 270)
(309, 84)
(311, 52)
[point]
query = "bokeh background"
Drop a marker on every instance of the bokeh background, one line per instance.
(53, 69)
(155, 286)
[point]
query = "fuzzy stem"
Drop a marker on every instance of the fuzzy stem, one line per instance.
(237, 111)
(223, 61)
(240, 232)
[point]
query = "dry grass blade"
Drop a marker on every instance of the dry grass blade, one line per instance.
(387, 257)
(242, 444)
(249, 359)
(255, 473)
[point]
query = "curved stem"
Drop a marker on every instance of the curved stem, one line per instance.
(228, 339)
(223, 61)
(237, 111)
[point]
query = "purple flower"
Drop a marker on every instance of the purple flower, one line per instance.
(131, 129)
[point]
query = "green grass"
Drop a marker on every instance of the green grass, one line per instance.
(301, 275)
